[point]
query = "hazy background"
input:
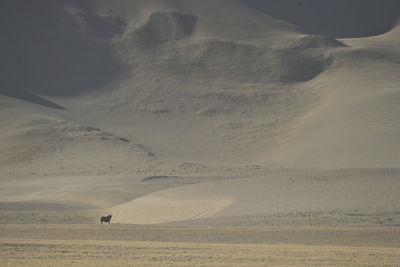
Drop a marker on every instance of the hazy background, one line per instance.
(337, 18)
(63, 51)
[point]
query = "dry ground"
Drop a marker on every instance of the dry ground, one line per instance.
(123, 245)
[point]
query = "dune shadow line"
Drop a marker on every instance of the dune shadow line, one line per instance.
(29, 97)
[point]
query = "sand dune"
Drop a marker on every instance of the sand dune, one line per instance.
(355, 122)
(37, 143)
(61, 48)
(358, 192)
(160, 208)
(192, 86)
(340, 18)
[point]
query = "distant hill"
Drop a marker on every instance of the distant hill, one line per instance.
(206, 82)
(338, 18)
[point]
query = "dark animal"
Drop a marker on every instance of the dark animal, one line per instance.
(105, 219)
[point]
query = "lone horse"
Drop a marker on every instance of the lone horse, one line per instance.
(105, 219)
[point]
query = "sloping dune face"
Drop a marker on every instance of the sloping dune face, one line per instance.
(168, 206)
(275, 85)
(60, 46)
(355, 124)
(234, 63)
(327, 195)
(246, 63)
(339, 18)
(41, 144)
(162, 27)
(180, 62)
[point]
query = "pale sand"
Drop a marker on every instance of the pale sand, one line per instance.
(116, 245)
(157, 208)
(122, 253)
(336, 194)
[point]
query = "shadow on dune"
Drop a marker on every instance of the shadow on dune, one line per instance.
(336, 18)
(163, 27)
(55, 48)
(25, 96)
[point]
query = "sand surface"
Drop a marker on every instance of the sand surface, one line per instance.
(113, 245)
(223, 132)
(117, 253)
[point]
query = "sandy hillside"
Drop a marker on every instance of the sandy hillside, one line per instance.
(168, 88)
(184, 88)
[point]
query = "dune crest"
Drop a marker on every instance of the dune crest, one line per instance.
(163, 27)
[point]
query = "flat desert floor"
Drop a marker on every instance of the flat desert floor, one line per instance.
(355, 221)
(135, 245)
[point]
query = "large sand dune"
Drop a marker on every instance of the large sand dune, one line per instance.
(192, 86)
(335, 195)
